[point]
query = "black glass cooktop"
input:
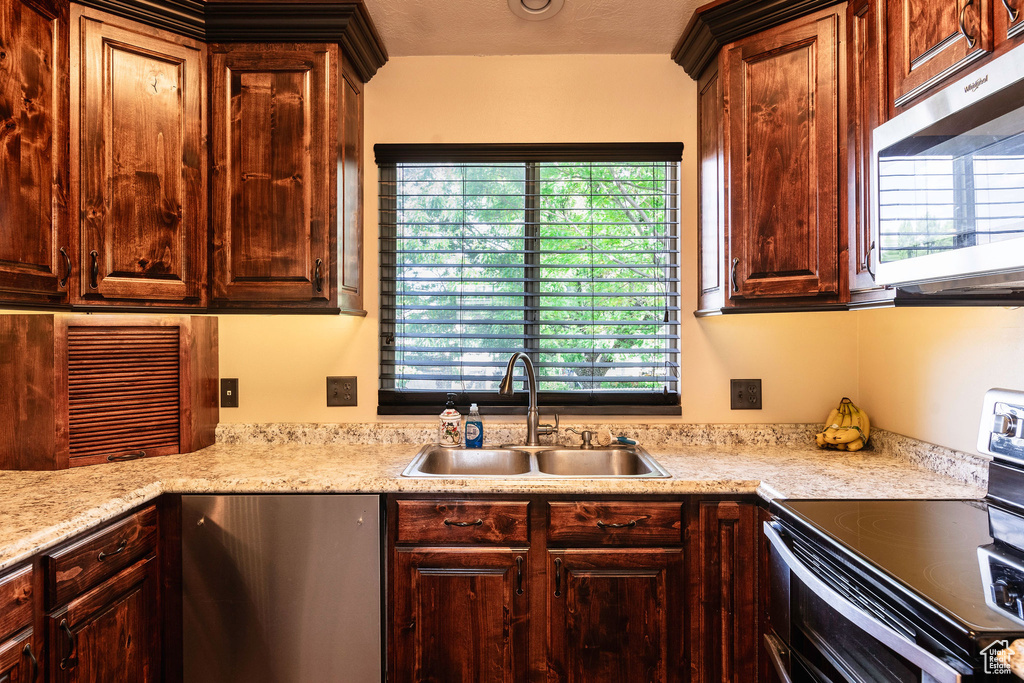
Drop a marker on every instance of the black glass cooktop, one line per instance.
(927, 546)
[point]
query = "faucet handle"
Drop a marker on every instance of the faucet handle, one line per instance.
(546, 429)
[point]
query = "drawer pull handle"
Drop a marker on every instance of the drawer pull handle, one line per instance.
(735, 281)
(1011, 11)
(68, 661)
(94, 269)
(519, 575)
(126, 456)
(558, 577)
(120, 549)
(619, 525)
(67, 267)
(476, 522)
(971, 40)
(35, 662)
(318, 279)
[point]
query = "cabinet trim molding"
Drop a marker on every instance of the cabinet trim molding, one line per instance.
(717, 23)
(346, 23)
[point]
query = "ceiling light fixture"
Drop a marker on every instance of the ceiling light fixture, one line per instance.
(535, 10)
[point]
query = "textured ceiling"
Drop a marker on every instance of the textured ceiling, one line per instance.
(488, 27)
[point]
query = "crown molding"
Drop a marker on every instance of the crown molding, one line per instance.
(724, 21)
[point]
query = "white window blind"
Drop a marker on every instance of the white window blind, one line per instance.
(572, 262)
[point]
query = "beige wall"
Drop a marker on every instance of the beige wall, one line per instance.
(282, 361)
(923, 372)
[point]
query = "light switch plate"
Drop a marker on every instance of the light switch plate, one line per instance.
(341, 391)
(229, 392)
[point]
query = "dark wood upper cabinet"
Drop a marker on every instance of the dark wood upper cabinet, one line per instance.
(138, 162)
(782, 117)
(95, 389)
(725, 620)
(865, 25)
(615, 615)
(33, 150)
(930, 40)
(459, 615)
(712, 192)
(286, 184)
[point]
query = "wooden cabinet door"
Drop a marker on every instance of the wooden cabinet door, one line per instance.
(111, 633)
(712, 192)
(137, 134)
(273, 176)
(783, 118)
(19, 661)
(725, 618)
(459, 614)
(615, 615)
(350, 191)
(930, 40)
(34, 260)
(866, 68)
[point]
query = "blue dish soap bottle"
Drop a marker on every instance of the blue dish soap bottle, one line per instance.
(474, 428)
(450, 429)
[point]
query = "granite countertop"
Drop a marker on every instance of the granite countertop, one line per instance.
(41, 509)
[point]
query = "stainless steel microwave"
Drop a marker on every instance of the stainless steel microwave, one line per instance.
(948, 179)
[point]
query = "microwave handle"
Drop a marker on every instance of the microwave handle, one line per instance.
(933, 668)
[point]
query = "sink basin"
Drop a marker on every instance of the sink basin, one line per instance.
(470, 462)
(540, 462)
(603, 462)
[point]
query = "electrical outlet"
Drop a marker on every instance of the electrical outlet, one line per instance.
(229, 392)
(341, 391)
(745, 393)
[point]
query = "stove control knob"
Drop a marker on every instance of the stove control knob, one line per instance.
(1004, 596)
(1005, 424)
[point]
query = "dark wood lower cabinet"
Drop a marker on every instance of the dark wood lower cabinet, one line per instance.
(459, 614)
(111, 633)
(19, 659)
(615, 615)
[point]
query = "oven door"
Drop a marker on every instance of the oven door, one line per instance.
(822, 634)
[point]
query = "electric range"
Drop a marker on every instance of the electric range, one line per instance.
(906, 590)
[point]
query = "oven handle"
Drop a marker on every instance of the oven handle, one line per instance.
(939, 671)
(776, 651)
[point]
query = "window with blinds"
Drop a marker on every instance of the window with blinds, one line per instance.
(569, 255)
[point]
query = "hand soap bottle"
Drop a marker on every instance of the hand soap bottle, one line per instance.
(474, 428)
(450, 430)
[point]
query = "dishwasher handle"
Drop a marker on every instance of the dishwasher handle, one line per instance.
(939, 671)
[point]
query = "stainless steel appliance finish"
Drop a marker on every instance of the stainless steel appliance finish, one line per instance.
(1002, 425)
(628, 462)
(281, 588)
(948, 186)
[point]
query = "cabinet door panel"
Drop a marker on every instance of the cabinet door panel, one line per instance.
(783, 117)
(926, 44)
(272, 178)
(615, 615)
(726, 619)
(111, 633)
(459, 615)
(19, 661)
(713, 191)
(350, 191)
(141, 164)
(33, 115)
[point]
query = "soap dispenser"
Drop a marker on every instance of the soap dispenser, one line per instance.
(450, 429)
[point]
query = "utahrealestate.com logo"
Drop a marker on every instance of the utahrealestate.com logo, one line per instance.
(995, 658)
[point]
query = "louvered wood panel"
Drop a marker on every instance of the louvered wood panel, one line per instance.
(123, 391)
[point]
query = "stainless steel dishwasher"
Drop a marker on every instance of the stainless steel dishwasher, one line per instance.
(281, 588)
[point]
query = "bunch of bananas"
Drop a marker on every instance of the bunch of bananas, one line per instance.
(847, 428)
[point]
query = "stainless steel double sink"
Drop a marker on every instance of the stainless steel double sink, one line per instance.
(628, 462)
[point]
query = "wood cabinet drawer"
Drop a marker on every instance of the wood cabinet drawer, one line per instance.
(615, 523)
(99, 556)
(462, 522)
(15, 601)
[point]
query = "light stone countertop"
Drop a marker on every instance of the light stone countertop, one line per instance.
(42, 509)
